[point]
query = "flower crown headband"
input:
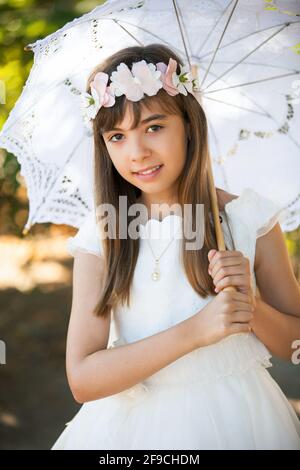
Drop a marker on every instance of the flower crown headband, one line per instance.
(142, 78)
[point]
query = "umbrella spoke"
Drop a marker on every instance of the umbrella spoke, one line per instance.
(236, 106)
(244, 37)
(245, 57)
(177, 13)
(153, 35)
(219, 42)
(255, 81)
(129, 33)
(213, 28)
(256, 64)
(264, 112)
(242, 94)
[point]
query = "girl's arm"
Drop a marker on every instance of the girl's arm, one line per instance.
(276, 319)
(96, 372)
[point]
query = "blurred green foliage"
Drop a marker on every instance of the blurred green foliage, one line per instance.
(23, 22)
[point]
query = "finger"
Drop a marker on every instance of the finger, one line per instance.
(224, 263)
(223, 254)
(241, 317)
(243, 306)
(210, 254)
(239, 328)
(237, 270)
(236, 281)
(242, 296)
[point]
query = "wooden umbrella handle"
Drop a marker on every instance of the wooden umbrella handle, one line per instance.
(212, 188)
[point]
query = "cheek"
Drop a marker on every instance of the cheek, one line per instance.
(116, 162)
(176, 148)
(122, 167)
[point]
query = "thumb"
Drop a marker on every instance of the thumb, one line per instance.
(211, 254)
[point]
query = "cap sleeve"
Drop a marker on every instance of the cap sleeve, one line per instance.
(251, 216)
(87, 238)
(257, 212)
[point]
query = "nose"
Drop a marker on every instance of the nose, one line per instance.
(138, 149)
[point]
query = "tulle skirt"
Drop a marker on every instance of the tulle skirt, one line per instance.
(218, 397)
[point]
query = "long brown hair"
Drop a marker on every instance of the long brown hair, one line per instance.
(120, 255)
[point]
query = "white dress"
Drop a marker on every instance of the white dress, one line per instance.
(216, 397)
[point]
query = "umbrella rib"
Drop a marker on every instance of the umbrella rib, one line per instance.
(242, 93)
(219, 42)
(128, 32)
(245, 57)
(181, 33)
(146, 31)
(258, 64)
(245, 37)
(255, 81)
(236, 106)
(266, 113)
(213, 28)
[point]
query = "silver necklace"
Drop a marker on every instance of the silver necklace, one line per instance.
(155, 276)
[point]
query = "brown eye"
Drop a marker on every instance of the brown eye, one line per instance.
(110, 140)
(155, 125)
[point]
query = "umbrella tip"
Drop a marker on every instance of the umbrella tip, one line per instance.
(25, 231)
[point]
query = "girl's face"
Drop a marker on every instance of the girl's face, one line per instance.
(159, 139)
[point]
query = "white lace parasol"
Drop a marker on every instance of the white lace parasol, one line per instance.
(248, 61)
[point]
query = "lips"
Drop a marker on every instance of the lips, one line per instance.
(149, 176)
(146, 169)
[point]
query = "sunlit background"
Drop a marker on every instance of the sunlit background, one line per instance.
(36, 271)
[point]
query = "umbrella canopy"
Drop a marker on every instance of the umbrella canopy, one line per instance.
(247, 59)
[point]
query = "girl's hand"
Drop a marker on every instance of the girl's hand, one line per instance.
(229, 312)
(230, 268)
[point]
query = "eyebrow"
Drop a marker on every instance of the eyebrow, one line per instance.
(153, 117)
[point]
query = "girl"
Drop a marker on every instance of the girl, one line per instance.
(188, 367)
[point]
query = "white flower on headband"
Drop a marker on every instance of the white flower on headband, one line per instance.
(143, 78)
(90, 104)
(184, 81)
(123, 83)
(148, 77)
(102, 95)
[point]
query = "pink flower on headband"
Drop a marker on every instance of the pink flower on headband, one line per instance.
(173, 83)
(167, 73)
(101, 95)
(106, 95)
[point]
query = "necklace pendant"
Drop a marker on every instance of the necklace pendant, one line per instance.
(156, 273)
